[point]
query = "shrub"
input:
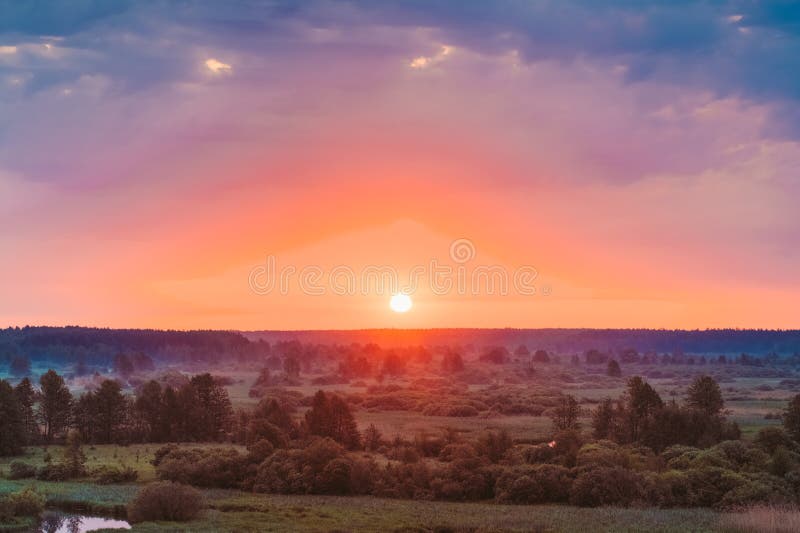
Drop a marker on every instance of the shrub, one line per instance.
(220, 468)
(27, 502)
(20, 470)
(54, 472)
(259, 450)
(607, 486)
(538, 484)
(105, 475)
(165, 500)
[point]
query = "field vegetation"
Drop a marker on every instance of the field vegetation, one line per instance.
(362, 437)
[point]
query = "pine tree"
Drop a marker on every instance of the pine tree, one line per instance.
(55, 408)
(12, 428)
(26, 397)
(705, 395)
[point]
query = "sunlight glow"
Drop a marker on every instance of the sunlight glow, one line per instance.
(400, 303)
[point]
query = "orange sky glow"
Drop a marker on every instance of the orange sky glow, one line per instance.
(652, 202)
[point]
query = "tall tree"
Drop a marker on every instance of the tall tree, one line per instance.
(603, 420)
(12, 428)
(705, 395)
(613, 369)
(26, 396)
(643, 401)
(566, 413)
(791, 418)
(111, 410)
(215, 410)
(148, 405)
(56, 404)
(330, 416)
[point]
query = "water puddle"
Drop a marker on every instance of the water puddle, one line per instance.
(55, 522)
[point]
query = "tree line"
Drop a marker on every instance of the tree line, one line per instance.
(198, 410)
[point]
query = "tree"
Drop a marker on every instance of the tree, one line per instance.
(214, 410)
(74, 458)
(148, 406)
(566, 413)
(643, 401)
(291, 366)
(12, 428)
(26, 397)
(791, 418)
(123, 366)
(20, 366)
(541, 356)
(110, 410)
(330, 416)
(603, 420)
(55, 407)
(394, 365)
(497, 355)
(452, 362)
(613, 369)
(704, 394)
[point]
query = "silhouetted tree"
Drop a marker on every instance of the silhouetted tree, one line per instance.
(330, 416)
(213, 408)
(12, 428)
(613, 369)
(291, 365)
(55, 407)
(603, 420)
(643, 401)
(791, 418)
(110, 411)
(26, 397)
(705, 395)
(20, 366)
(541, 356)
(452, 362)
(565, 414)
(148, 407)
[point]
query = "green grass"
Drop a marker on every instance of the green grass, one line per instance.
(247, 512)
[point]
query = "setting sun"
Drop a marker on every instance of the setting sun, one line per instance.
(400, 303)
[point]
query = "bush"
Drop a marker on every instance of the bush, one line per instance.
(20, 470)
(105, 475)
(607, 486)
(54, 472)
(27, 502)
(538, 484)
(165, 500)
(220, 468)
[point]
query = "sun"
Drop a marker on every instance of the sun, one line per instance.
(400, 303)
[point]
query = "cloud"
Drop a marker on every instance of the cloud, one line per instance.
(216, 66)
(423, 62)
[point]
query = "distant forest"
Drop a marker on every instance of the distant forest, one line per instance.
(98, 346)
(711, 341)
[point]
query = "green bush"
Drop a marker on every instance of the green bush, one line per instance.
(20, 470)
(105, 475)
(165, 500)
(536, 484)
(219, 468)
(607, 486)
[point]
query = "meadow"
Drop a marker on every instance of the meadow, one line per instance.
(414, 408)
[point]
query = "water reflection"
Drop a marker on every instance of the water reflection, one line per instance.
(69, 523)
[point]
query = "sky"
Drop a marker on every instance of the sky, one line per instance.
(636, 160)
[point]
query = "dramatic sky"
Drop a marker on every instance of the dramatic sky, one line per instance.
(642, 156)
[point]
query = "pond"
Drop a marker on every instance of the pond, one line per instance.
(57, 522)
